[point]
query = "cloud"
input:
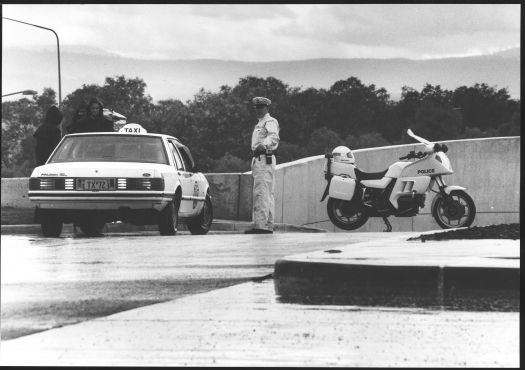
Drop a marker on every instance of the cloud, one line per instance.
(270, 32)
(410, 26)
(239, 13)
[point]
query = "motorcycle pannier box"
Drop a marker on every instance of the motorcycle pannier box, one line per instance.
(340, 168)
(342, 188)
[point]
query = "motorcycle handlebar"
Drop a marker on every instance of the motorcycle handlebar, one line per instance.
(413, 154)
(434, 149)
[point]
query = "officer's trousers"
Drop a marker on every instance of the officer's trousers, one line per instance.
(263, 192)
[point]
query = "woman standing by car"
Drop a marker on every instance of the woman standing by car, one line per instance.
(48, 135)
(94, 120)
(79, 115)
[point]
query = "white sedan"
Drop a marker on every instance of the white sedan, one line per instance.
(130, 175)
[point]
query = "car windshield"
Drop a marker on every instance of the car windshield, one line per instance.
(110, 148)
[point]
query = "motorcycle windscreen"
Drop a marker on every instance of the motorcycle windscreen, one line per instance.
(342, 188)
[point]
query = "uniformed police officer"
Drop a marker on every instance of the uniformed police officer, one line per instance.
(265, 139)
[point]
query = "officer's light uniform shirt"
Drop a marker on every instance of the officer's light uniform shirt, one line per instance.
(266, 132)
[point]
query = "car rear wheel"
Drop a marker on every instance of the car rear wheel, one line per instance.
(51, 225)
(201, 224)
(169, 217)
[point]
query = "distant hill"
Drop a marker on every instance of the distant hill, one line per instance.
(182, 79)
(513, 53)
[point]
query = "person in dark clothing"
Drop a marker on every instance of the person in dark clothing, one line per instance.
(94, 121)
(79, 115)
(48, 135)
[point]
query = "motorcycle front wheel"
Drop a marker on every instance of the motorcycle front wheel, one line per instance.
(456, 210)
(345, 214)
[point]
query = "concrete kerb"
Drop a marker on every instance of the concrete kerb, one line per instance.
(217, 226)
(460, 274)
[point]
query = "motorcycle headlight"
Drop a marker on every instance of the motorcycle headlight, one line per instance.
(445, 162)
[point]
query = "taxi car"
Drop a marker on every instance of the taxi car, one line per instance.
(131, 176)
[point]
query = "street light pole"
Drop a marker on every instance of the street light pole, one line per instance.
(23, 92)
(58, 54)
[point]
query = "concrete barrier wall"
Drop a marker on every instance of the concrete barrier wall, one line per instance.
(231, 195)
(14, 192)
(488, 168)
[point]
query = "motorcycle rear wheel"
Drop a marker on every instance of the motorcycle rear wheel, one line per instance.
(459, 211)
(345, 215)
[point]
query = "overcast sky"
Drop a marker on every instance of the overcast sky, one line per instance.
(265, 32)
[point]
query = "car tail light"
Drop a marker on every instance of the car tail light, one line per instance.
(51, 183)
(144, 184)
(157, 183)
(69, 184)
(140, 184)
(34, 183)
(122, 184)
(48, 184)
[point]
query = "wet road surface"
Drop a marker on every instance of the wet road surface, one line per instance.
(195, 304)
(245, 325)
(52, 282)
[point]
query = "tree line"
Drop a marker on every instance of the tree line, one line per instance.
(217, 126)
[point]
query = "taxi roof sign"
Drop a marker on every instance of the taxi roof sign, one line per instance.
(133, 128)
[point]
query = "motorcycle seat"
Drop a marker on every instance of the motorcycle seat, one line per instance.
(361, 175)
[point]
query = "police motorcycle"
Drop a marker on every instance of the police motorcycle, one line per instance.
(399, 191)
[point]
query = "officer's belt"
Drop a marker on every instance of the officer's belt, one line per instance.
(257, 154)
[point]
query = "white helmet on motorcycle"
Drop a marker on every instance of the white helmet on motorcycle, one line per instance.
(343, 154)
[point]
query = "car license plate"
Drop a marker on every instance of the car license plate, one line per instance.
(95, 184)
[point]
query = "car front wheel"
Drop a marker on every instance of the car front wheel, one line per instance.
(201, 224)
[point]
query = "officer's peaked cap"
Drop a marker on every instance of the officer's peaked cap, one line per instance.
(259, 100)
